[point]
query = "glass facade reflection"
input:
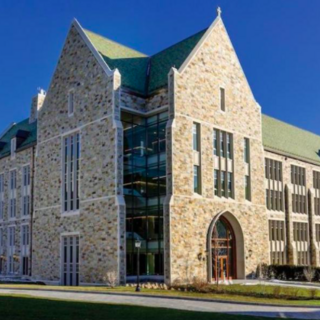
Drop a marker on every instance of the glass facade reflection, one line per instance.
(144, 190)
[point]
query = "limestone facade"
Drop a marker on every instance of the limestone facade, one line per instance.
(192, 96)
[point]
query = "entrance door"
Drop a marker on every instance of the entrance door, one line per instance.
(70, 276)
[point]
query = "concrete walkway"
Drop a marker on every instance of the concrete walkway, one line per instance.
(173, 303)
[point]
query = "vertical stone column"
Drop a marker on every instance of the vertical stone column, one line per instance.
(291, 252)
(314, 252)
(168, 202)
(120, 203)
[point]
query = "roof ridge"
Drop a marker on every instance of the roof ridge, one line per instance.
(291, 125)
(117, 43)
(178, 42)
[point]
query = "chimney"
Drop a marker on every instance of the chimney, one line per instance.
(36, 105)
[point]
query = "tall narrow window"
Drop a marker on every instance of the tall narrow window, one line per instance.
(13, 194)
(246, 150)
(1, 196)
(223, 160)
(71, 103)
(316, 186)
(26, 190)
(299, 198)
(215, 142)
(222, 99)
(274, 185)
(277, 242)
(71, 173)
(25, 241)
(11, 248)
(196, 179)
(247, 188)
(196, 136)
(13, 147)
(1, 251)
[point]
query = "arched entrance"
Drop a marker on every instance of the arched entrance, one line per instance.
(225, 248)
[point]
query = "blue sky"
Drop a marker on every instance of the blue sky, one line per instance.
(277, 42)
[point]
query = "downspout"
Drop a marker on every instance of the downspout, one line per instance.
(32, 173)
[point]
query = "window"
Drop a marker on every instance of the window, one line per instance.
(71, 103)
(196, 136)
(277, 242)
(299, 199)
(13, 147)
(13, 194)
(1, 251)
(26, 190)
(223, 152)
(318, 237)
(25, 241)
(301, 239)
(196, 179)
(247, 188)
(11, 248)
(274, 185)
(246, 152)
(1, 196)
(71, 172)
(222, 99)
(316, 186)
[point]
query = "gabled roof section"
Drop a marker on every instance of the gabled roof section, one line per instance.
(17, 129)
(174, 56)
(139, 72)
(132, 64)
(281, 137)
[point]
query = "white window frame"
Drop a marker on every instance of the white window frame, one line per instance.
(26, 190)
(70, 206)
(71, 103)
(12, 194)
(1, 196)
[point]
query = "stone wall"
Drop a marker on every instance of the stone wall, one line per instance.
(96, 115)
(194, 97)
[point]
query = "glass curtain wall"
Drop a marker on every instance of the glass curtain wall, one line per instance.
(144, 190)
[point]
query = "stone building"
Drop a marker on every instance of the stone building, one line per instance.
(169, 150)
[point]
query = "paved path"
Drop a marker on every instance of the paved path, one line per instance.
(172, 303)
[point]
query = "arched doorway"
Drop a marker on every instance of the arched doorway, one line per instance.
(225, 248)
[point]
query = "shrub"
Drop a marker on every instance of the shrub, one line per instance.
(309, 273)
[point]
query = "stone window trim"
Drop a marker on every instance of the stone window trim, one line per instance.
(301, 241)
(71, 94)
(299, 193)
(277, 241)
(70, 173)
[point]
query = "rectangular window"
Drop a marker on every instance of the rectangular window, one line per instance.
(71, 172)
(274, 183)
(301, 239)
(70, 103)
(26, 190)
(223, 151)
(11, 248)
(13, 147)
(316, 186)
(247, 188)
(277, 242)
(1, 196)
(196, 136)
(246, 152)
(13, 194)
(299, 198)
(196, 179)
(222, 99)
(25, 241)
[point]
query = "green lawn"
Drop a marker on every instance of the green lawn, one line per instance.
(240, 293)
(23, 308)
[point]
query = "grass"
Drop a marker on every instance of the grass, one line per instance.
(237, 293)
(18, 308)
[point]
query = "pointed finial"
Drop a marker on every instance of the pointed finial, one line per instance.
(219, 11)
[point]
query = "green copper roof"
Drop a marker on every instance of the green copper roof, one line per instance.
(29, 141)
(140, 72)
(282, 137)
